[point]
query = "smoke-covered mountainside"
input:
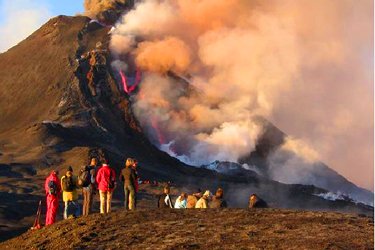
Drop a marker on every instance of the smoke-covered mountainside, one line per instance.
(61, 101)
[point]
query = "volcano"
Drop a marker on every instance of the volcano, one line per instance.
(60, 103)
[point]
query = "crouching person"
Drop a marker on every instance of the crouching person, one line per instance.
(193, 198)
(203, 202)
(53, 191)
(165, 200)
(181, 201)
(70, 194)
(218, 200)
(256, 202)
(106, 181)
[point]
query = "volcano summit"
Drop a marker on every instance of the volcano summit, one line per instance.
(80, 87)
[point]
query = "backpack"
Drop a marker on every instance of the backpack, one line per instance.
(84, 177)
(111, 183)
(52, 187)
(67, 184)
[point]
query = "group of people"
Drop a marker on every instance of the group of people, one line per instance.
(195, 200)
(90, 179)
(93, 178)
(203, 200)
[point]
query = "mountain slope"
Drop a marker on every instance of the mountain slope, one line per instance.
(52, 116)
(204, 229)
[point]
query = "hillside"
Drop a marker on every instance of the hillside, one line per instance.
(51, 117)
(204, 229)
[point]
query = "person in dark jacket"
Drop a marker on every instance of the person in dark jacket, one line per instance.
(218, 200)
(256, 202)
(89, 190)
(129, 178)
(70, 194)
(165, 200)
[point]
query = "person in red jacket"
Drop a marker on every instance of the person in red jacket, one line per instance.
(106, 181)
(52, 187)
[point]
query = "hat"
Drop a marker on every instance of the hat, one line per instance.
(70, 169)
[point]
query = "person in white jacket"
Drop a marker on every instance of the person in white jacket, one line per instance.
(181, 201)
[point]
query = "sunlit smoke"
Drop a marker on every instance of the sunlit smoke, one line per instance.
(292, 62)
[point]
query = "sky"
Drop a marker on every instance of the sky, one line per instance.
(20, 18)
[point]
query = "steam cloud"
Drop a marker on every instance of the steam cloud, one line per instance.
(304, 65)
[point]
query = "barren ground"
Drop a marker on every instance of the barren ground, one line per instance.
(204, 229)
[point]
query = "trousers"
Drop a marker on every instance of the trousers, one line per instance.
(105, 201)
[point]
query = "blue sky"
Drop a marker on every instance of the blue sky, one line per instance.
(20, 18)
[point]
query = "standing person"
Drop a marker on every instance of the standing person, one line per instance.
(53, 190)
(70, 194)
(106, 180)
(164, 200)
(193, 198)
(218, 200)
(181, 201)
(129, 178)
(86, 180)
(203, 202)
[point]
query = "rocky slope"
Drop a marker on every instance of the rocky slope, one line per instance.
(204, 229)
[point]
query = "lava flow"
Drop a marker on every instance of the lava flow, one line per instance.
(129, 89)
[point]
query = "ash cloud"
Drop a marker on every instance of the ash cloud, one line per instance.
(304, 65)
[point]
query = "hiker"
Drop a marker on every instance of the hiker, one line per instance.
(53, 190)
(181, 201)
(86, 180)
(193, 198)
(217, 200)
(70, 194)
(256, 202)
(203, 202)
(129, 178)
(164, 200)
(106, 180)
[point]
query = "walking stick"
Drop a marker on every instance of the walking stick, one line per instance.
(37, 219)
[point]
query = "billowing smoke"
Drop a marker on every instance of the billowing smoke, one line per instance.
(95, 7)
(304, 65)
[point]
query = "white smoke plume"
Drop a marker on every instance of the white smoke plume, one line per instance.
(292, 62)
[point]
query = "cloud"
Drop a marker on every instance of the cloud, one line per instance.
(19, 19)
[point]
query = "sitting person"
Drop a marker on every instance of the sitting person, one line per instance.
(203, 202)
(218, 200)
(181, 201)
(193, 198)
(256, 202)
(164, 200)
